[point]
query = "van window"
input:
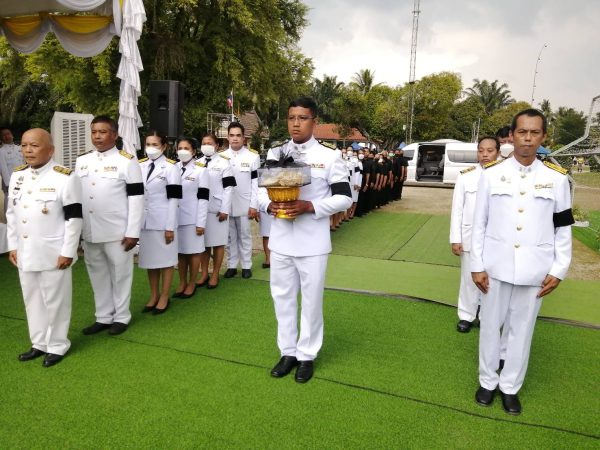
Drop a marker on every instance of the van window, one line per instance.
(409, 154)
(462, 156)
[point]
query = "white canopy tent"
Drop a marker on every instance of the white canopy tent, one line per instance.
(85, 28)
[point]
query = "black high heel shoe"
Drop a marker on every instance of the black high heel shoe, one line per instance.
(158, 311)
(148, 308)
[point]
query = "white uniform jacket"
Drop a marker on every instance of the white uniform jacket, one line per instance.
(113, 195)
(10, 158)
(193, 206)
(522, 225)
(162, 191)
(463, 206)
(329, 192)
(221, 183)
(44, 216)
(244, 165)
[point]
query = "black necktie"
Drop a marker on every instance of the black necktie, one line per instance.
(207, 161)
(182, 169)
(150, 171)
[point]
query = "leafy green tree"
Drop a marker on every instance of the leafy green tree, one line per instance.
(569, 125)
(464, 116)
(325, 92)
(364, 81)
(492, 95)
(501, 118)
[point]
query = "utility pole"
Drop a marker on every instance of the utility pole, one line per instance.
(539, 58)
(413, 64)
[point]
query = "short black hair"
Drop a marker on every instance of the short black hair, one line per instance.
(236, 125)
(305, 102)
(530, 112)
(493, 138)
(2, 128)
(106, 119)
(193, 141)
(503, 132)
(158, 134)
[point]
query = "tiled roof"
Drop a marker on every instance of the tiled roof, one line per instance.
(329, 131)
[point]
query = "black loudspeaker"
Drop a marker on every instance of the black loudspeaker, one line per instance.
(166, 107)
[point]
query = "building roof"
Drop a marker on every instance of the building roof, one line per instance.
(329, 131)
(251, 123)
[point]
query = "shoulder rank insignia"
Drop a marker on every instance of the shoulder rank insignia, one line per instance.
(253, 151)
(125, 154)
(223, 156)
(328, 145)
(63, 170)
(199, 164)
(142, 160)
(468, 169)
(171, 161)
(555, 167)
(276, 144)
(22, 167)
(493, 163)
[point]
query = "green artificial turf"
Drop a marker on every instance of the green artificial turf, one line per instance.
(590, 236)
(391, 374)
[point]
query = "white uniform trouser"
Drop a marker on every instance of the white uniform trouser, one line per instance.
(110, 269)
(468, 294)
(521, 303)
(289, 275)
(240, 243)
(47, 296)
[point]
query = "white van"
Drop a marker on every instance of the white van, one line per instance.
(438, 161)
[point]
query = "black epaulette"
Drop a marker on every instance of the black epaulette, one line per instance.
(199, 164)
(19, 168)
(555, 167)
(63, 170)
(468, 169)
(328, 145)
(142, 160)
(493, 163)
(125, 154)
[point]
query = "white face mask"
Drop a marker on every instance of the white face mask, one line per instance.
(153, 152)
(207, 150)
(361, 156)
(184, 155)
(506, 150)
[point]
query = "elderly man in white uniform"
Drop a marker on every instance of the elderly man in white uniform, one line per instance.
(521, 250)
(113, 202)
(44, 225)
(244, 201)
(461, 221)
(300, 247)
(10, 157)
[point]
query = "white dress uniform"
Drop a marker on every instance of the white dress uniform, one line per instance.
(244, 165)
(356, 178)
(162, 191)
(221, 183)
(461, 223)
(44, 222)
(113, 202)
(193, 207)
(300, 248)
(264, 226)
(10, 158)
(521, 233)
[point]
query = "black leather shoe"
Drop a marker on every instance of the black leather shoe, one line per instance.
(304, 372)
(158, 311)
(202, 284)
(188, 295)
(464, 326)
(230, 273)
(117, 328)
(266, 265)
(511, 403)
(212, 286)
(148, 309)
(484, 397)
(97, 327)
(52, 359)
(246, 273)
(177, 294)
(284, 366)
(31, 354)
(501, 364)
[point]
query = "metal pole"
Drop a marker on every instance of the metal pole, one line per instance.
(539, 58)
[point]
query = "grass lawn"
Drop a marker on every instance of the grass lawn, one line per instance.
(590, 236)
(392, 374)
(590, 179)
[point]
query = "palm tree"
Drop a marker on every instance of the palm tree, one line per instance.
(363, 80)
(325, 92)
(491, 95)
(547, 110)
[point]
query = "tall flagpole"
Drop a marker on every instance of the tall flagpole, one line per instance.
(232, 104)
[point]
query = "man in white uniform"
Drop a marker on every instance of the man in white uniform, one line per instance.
(44, 225)
(244, 201)
(521, 250)
(10, 157)
(300, 247)
(113, 206)
(461, 221)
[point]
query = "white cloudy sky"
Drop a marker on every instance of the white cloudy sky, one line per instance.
(485, 39)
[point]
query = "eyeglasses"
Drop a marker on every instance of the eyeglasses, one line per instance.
(299, 118)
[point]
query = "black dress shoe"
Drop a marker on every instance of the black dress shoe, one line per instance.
(464, 326)
(511, 403)
(158, 311)
(148, 309)
(266, 265)
(304, 372)
(230, 273)
(188, 295)
(31, 354)
(246, 273)
(484, 397)
(52, 359)
(97, 327)
(177, 294)
(117, 328)
(501, 364)
(284, 366)
(202, 284)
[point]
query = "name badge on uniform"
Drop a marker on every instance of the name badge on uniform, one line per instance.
(50, 189)
(160, 177)
(317, 166)
(544, 186)
(110, 168)
(190, 178)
